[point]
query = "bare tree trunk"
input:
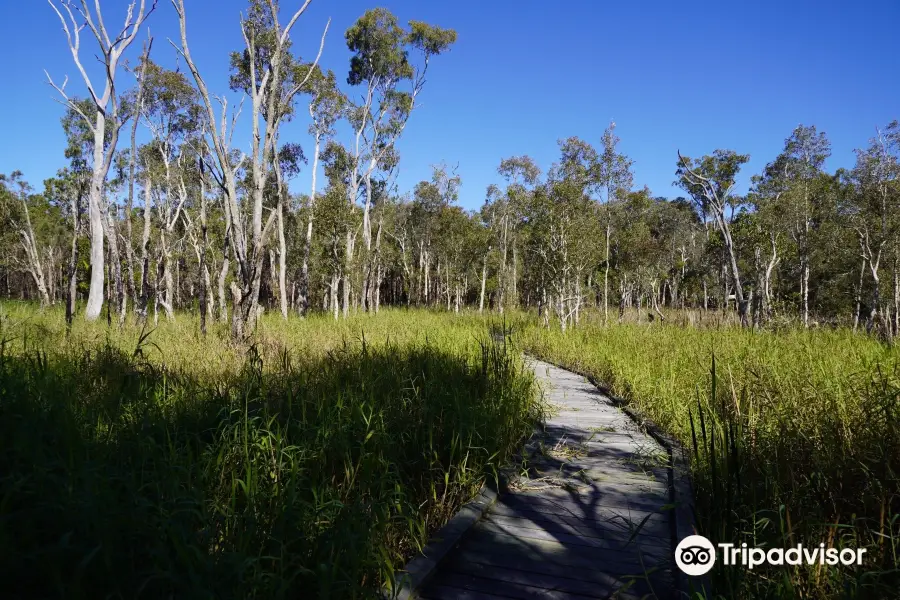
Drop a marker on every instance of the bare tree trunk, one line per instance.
(307, 244)
(483, 284)
(223, 273)
(804, 289)
(204, 271)
(282, 262)
(237, 322)
(129, 207)
(895, 318)
(95, 220)
(514, 296)
(116, 266)
(335, 281)
(348, 259)
(857, 312)
(168, 282)
(378, 280)
(145, 259)
(606, 278)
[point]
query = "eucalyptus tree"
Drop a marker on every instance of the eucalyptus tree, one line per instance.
(325, 108)
(74, 182)
(800, 164)
(430, 198)
(615, 179)
(452, 232)
(262, 71)
(105, 116)
(391, 86)
(68, 190)
(767, 198)
(172, 113)
(710, 182)
(507, 209)
(138, 109)
(15, 197)
(287, 166)
(875, 207)
(561, 216)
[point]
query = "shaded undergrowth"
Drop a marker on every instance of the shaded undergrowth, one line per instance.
(298, 475)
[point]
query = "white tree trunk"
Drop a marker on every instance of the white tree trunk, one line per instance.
(95, 219)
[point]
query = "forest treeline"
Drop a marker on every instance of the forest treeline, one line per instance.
(187, 220)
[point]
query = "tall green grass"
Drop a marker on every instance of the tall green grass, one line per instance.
(794, 438)
(313, 463)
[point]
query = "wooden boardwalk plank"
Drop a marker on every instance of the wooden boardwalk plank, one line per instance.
(530, 530)
(510, 589)
(591, 589)
(592, 521)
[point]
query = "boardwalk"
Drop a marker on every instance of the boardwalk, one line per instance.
(589, 522)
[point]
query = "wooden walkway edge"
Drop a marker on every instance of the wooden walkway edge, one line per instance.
(594, 518)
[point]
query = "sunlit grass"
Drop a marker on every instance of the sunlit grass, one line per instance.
(794, 436)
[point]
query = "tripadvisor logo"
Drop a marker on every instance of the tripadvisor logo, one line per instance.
(695, 555)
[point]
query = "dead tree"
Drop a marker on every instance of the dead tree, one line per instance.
(106, 116)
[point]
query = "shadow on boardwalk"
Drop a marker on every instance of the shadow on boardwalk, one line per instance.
(592, 519)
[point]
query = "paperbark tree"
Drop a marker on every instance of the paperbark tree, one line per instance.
(106, 109)
(172, 114)
(381, 64)
(875, 209)
(710, 183)
(801, 164)
(325, 108)
(261, 70)
(132, 170)
(521, 174)
(18, 217)
(614, 177)
(287, 166)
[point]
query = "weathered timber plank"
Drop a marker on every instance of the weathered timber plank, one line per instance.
(591, 589)
(631, 561)
(578, 509)
(618, 525)
(612, 537)
(536, 532)
(518, 590)
(598, 573)
(440, 592)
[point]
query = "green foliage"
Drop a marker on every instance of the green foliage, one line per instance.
(379, 49)
(431, 40)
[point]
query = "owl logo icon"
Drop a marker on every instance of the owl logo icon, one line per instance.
(695, 555)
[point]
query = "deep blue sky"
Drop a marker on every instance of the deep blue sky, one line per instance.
(690, 75)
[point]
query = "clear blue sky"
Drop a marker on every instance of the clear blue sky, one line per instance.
(691, 75)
